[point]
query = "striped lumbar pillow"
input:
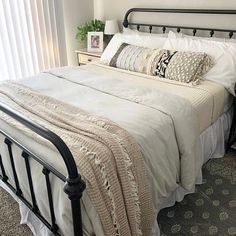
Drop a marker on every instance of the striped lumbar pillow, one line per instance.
(134, 58)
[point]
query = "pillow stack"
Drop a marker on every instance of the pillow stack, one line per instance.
(224, 54)
(177, 57)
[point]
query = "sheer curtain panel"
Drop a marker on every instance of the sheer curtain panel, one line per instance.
(32, 37)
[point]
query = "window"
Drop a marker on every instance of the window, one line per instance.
(32, 37)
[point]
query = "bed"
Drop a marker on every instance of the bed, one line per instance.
(42, 173)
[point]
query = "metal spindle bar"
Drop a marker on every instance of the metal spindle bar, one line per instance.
(212, 33)
(163, 29)
(4, 176)
(76, 215)
(28, 170)
(9, 146)
(54, 227)
(150, 29)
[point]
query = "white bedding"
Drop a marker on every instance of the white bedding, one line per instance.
(208, 99)
(163, 130)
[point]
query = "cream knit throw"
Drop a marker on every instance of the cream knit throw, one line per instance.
(108, 158)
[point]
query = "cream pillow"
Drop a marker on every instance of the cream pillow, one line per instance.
(223, 53)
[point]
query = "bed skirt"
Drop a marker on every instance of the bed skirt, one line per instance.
(213, 141)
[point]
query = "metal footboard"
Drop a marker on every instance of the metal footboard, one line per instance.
(73, 187)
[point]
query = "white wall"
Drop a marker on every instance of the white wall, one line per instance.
(76, 12)
(99, 9)
(108, 9)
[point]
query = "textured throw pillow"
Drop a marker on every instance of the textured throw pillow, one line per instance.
(134, 58)
(183, 66)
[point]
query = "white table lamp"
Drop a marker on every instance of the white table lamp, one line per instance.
(111, 27)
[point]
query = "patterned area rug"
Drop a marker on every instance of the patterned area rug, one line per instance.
(209, 211)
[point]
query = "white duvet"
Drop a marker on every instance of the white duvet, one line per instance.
(164, 125)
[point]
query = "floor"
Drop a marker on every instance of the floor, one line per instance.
(209, 211)
(10, 217)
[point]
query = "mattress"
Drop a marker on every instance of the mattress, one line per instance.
(208, 99)
(156, 135)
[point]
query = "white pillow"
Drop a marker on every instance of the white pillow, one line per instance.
(136, 32)
(181, 35)
(231, 40)
(224, 54)
(142, 40)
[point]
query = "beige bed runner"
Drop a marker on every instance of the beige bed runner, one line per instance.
(108, 158)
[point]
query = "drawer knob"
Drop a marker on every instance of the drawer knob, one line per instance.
(89, 59)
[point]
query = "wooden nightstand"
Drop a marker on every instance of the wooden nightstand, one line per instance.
(84, 57)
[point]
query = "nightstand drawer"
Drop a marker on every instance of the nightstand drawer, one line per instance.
(84, 59)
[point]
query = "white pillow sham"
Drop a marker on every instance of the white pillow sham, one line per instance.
(224, 54)
(136, 32)
(181, 35)
(142, 40)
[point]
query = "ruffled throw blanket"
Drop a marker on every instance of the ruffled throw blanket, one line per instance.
(108, 158)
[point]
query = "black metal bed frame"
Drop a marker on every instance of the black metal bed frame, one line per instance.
(73, 184)
(126, 22)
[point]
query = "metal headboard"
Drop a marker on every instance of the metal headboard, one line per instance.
(194, 29)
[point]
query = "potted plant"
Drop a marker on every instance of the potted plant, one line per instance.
(90, 26)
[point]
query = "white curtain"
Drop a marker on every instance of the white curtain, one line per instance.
(32, 37)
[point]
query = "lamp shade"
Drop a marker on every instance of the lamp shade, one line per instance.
(111, 27)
